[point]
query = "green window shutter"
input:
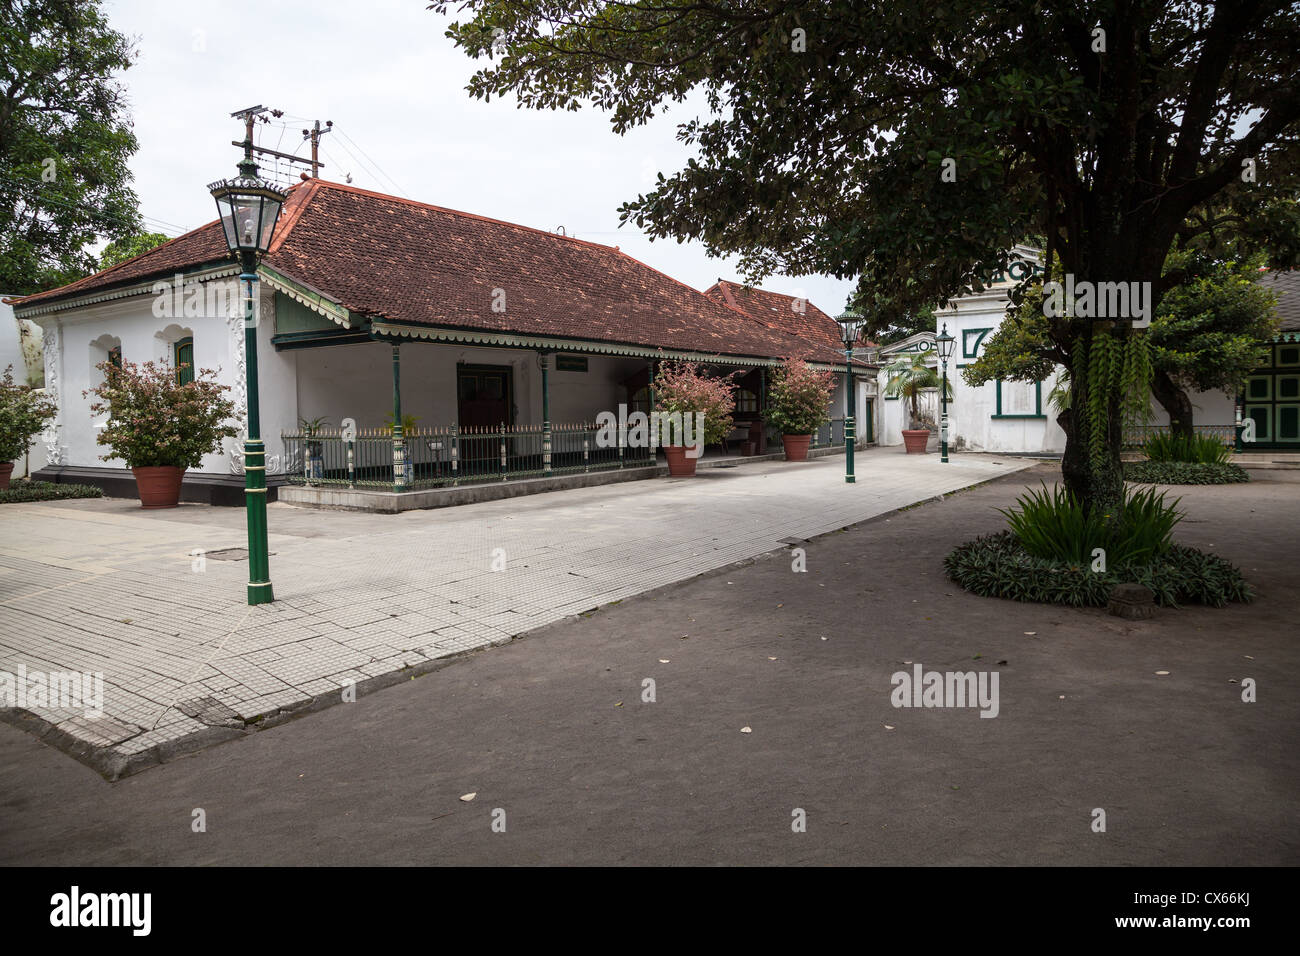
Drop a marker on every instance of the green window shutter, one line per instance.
(184, 355)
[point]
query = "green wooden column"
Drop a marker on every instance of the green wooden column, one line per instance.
(849, 436)
(544, 361)
(1238, 445)
(399, 443)
(259, 562)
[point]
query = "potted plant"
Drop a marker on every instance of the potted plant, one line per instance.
(311, 429)
(799, 403)
(159, 426)
(908, 378)
(23, 414)
(682, 388)
(408, 430)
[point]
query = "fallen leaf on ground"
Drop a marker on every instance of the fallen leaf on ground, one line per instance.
(468, 797)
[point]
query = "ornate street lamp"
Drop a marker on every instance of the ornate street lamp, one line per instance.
(249, 208)
(944, 342)
(850, 328)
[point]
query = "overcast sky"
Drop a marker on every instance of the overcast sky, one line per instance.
(395, 88)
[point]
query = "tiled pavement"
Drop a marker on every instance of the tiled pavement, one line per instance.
(101, 586)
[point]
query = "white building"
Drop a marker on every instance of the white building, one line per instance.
(1018, 417)
(495, 331)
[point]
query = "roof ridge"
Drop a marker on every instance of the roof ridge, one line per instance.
(310, 190)
(325, 183)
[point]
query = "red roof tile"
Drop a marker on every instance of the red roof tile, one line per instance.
(786, 313)
(413, 263)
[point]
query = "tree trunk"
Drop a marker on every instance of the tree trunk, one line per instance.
(1174, 401)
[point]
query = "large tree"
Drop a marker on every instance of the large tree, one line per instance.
(65, 138)
(913, 144)
(1209, 331)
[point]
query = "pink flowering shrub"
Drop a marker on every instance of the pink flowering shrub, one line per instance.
(155, 421)
(24, 412)
(682, 387)
(799, 401)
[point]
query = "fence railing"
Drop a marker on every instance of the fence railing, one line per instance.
(1135, 436)
(439, 456)
(832, 433)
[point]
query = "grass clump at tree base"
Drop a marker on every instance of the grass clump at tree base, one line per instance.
(1184, 473)
(1058, 552)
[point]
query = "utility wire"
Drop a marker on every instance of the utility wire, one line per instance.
(400, 192)
(146, 220)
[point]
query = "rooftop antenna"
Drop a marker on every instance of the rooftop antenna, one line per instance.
(314, 134)
(252, 114)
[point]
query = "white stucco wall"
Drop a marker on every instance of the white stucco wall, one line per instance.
(25, 371)
(1208, 408)
(76, 340)
(974, 424)
(356, 381)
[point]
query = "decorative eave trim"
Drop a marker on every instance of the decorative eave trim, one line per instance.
(487, 337)
(123, 292)
(302, 293)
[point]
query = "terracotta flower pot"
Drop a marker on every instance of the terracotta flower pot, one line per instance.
(796, 447)
(159, 486)
(916, 439)
(680, 464)
(6, 470)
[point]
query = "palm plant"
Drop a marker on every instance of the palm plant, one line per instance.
(1059, 396)
(908, 378)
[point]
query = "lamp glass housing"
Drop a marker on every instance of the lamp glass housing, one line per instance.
(249, 209)
(850, 328)
(944, 342)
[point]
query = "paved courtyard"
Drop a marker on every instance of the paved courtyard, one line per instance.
(555, 738)
(100, 586)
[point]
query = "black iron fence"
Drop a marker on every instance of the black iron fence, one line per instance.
(1135, 436)
(439, 456)
(832, 433)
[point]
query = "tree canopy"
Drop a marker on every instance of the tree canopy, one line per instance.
(65, 138)
(912, 145)
(128, 247)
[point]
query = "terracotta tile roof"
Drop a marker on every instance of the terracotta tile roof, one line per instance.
(786, 313)
(410, 262)
(203, 245)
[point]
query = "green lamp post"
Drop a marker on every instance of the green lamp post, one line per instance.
(943, 341)
(850, 328)
(248, 208)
